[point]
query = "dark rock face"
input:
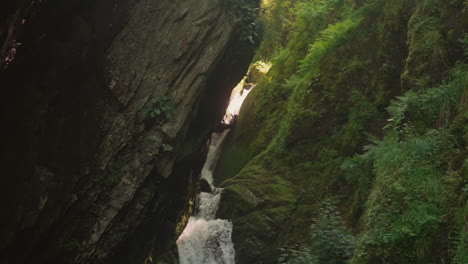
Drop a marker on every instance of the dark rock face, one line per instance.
(105, 109)
(14, 15)
(205, 186)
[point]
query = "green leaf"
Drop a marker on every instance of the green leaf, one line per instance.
(167, 147)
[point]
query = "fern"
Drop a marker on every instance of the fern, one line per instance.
(438, 105)
(329, 38)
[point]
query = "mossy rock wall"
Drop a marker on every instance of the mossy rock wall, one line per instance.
(326, 100)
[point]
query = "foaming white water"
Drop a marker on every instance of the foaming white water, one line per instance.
(206, 240)
(208, 203)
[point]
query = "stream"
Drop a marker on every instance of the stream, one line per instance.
(205, 239)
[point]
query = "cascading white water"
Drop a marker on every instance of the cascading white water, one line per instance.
(206, 240)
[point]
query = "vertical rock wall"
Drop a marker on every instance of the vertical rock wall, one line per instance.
(104, 112)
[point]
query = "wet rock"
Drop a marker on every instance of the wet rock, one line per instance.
(205, 186)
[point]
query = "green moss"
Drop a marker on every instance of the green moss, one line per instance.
(461, 229)
(427, 59)
(316, 127)
(257, 186)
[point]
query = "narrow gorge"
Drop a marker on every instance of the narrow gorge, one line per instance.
(234, 131)
(206, 239)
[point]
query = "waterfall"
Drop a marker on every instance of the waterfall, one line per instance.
(206, 240)
(214, 152)
(236, 100)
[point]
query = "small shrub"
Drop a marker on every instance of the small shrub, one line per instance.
(247, 14)
(331, 243)
(159, 110)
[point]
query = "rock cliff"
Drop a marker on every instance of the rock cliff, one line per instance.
(105, 110)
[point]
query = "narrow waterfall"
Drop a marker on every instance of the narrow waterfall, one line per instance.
(214, 152)
(206, 240)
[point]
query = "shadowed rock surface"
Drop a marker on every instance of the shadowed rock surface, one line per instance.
(106, 107)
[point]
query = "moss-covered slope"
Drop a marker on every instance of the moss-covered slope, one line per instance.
(365, 107)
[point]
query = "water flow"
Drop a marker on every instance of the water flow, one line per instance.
(238, 96)
(206, 240)
(214, 152)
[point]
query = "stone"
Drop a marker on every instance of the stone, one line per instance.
(79, 94)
